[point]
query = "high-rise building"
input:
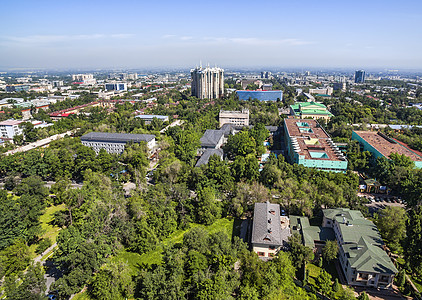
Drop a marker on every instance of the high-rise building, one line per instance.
(207, 82)
(116, 86)
(360, 76)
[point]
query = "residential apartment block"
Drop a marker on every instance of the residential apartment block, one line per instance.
(308, 144)
(207, 82)
(270, 230)
(116, 142)
(238, 118)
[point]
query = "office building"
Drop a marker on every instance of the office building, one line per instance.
(57, 83)
(17, 88)
(327, 91)
(260, 95)
(361, 250)
(84, 78)
(339, 86)
(381, 145)
(116, 142)
(238, 118)
(308, 144)
(116, 86)
(207, 83)
(360, 76)
(9, 129)
(311, 109)
(270, 230)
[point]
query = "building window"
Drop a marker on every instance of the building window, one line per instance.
(270, 254)
(261, 253)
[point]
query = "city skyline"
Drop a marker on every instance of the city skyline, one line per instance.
(358, 35)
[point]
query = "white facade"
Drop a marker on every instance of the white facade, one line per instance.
(207, 83)
(238, 118)
(10, 128)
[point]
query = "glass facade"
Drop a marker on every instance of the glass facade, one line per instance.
(260, 95)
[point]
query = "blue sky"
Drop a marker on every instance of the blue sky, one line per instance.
(144, 34)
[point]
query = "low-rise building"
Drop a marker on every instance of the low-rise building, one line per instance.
(322, 91)
(311, 109)
(314, 237)
(361, 250)
(203, 160)
(10, 128)
(238, 118)
(148, 118)
(308, 144)
(380, 145)
(212, 139)
(116, 142)
(270, 231)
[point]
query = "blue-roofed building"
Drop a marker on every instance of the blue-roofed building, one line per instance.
(260, 95)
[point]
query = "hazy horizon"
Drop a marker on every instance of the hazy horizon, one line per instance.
(240, 34)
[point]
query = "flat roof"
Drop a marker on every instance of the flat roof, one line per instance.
(10, 122)
(387, 146)
(312, 140)
(117, 137)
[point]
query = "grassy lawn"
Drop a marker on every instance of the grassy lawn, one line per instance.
(50, 231)
(135, 260)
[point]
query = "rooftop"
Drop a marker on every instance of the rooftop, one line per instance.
(362, 242)
(267, 225)
(310, 108)
(207, 154)
(211, 138)
(309, 233)
(311, 141)
(10, 122)
(386, 146)
(117, 137)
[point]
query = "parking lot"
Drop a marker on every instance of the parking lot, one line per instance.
(380, 201)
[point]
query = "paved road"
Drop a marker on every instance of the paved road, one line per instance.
(175, 123)
(39, 143)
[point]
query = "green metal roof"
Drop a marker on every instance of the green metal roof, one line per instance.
(363, 245)
(311, 108)
(309, 233)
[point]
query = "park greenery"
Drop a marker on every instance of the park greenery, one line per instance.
(100, 220)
